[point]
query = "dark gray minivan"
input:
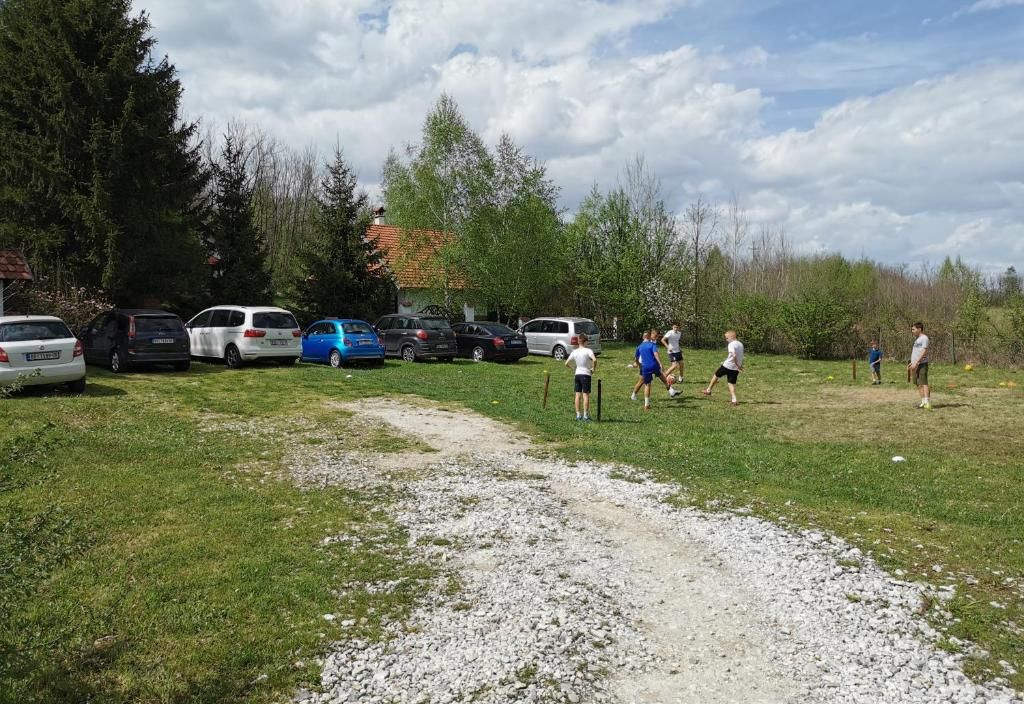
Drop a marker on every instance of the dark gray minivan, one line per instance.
(125, 338)
(414, 337)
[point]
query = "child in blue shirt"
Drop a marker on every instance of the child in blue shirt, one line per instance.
(875, 360)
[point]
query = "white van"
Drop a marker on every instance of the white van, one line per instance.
(239, 334)
(556, 337)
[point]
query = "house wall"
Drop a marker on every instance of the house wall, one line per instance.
(412, 300)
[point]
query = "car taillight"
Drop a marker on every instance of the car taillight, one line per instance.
(79, 351)
(348, 342)
(422, 334)
(574, 341)
(380, 341)
(131, 331)
(255, 333)
(498, 342)
(3, 356)
(296, 333)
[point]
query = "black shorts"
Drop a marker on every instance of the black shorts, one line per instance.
(921, 374)
(732, 374)
(583, 383)
(675, 356)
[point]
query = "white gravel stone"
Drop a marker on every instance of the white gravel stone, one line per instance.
(576, 586)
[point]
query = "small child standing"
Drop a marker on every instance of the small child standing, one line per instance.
(585, 362)
(875, 360)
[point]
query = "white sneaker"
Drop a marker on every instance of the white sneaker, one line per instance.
(632, 397)
(672, 393)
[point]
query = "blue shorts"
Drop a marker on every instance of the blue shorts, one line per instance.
(648, 374)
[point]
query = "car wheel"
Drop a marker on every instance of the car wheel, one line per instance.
(77, 387)
(478, 354)
(232, 357)
(559, 353)
(408, 353)
(183, 366)
(117, 362)
(336, 360)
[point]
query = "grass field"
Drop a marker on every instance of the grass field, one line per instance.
(150, 552)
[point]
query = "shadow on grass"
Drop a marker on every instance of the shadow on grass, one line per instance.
(101, 390)
(92, 389)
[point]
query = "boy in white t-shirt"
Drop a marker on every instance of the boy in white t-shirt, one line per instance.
(585, 362)
(672, 340)
(731, 367)
(919, 364)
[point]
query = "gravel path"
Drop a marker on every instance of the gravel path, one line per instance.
(577, 583)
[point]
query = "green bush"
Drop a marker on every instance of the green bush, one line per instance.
(756, 321)
(816, 325)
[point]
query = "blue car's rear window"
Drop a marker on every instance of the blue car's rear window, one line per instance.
(357, 328)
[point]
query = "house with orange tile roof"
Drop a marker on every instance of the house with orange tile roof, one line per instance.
(13, 268)
(409, 256)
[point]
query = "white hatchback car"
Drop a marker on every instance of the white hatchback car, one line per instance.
(44, 343)
(239, 334)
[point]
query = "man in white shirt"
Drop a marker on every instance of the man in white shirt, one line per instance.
(919, 364)
(672, 340)
(731, 367)
(585, 362)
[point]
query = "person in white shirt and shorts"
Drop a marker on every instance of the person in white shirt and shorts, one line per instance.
(731, 367)
(585, 362)
(672, 340)
(918, 366)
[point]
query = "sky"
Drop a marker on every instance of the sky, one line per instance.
(879, 129)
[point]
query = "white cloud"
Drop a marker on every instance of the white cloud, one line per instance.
(890, 175)
(992, 5)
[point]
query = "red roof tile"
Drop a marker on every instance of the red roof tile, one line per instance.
(407, 254)
(13, 266)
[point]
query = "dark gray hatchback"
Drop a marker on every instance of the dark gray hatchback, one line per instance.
(124, 338)
(414, 337)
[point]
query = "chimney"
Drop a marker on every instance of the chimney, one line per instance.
(378, 215)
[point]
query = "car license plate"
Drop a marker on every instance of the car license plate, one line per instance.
(38, 356)
(366, 342)
(163, 341)
(280, 343)
(515, 343)
(441, 347)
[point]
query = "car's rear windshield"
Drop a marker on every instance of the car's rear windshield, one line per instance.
(587, 328)
(497, 329)
(357, 328)
(434, 324)
(149, 324)
(34, 330)
(274, 321)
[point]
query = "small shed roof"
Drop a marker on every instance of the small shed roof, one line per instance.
(13, 266)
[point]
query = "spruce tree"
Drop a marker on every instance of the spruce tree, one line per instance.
(340, 270)
(100, 181)
(240, 274)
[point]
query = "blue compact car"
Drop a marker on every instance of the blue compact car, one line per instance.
(341, 341)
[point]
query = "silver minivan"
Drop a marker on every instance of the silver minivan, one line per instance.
(556, 337)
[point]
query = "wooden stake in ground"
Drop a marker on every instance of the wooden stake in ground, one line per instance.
(598, 400)
(547, 384)
(854, 370)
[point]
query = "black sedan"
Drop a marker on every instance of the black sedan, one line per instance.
(483, 340)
